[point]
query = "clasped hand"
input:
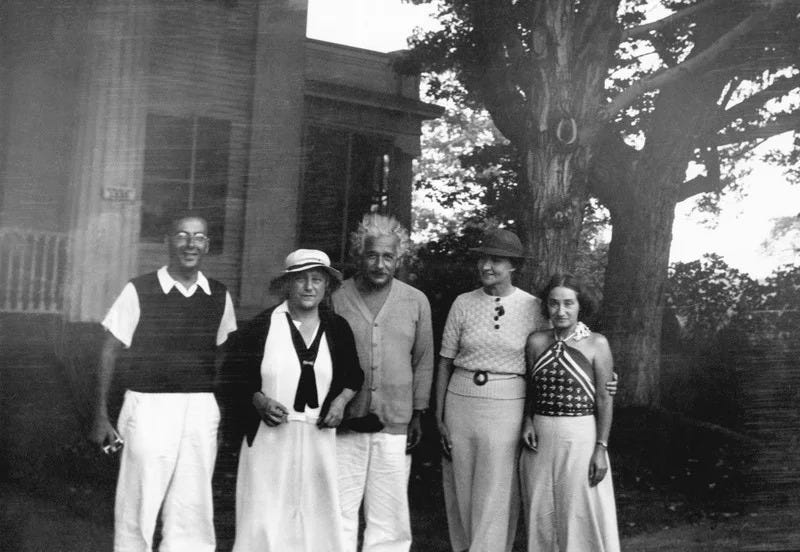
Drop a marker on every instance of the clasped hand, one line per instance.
(274, 413)
(271, 411)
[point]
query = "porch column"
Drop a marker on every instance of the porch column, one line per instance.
(105, 182)
(270, 226)
(401, 177)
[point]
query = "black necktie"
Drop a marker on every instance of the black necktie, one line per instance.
(307, 384)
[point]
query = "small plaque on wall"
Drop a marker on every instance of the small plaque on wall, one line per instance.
(115, 193)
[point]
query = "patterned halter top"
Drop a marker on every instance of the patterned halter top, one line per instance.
(563, 380)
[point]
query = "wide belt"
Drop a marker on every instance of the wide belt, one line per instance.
(480, 383)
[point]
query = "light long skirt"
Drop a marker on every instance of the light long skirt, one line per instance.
(562, 512)
(481, 485)
(287, 499)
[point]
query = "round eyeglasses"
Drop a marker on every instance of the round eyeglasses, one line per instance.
(184, 238)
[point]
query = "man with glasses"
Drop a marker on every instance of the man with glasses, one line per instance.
(168, 327)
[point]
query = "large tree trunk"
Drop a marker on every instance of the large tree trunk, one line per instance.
(638, 258)
(551, 226)
(563, 85)
(642, 212)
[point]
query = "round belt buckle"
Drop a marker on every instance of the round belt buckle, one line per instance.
(480, 378)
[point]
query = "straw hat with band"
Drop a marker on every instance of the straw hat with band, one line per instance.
(501, 243)
(306, 259)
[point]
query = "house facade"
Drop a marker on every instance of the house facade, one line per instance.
(114, 113)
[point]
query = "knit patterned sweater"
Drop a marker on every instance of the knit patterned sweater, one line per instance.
(485, 332)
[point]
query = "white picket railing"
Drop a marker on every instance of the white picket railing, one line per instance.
(32, 270)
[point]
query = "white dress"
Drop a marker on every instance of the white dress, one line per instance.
(287, 499)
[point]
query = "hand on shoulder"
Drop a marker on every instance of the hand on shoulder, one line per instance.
(539, 341)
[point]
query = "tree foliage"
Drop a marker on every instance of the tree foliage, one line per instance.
(447, 191)
(704, 295)
(600, 99)
(708, 296)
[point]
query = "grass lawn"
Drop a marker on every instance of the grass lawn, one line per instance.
(679, 486)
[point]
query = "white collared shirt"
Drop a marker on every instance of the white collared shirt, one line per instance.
(123, 316)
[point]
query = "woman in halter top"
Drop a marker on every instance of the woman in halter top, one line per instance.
(566, 484)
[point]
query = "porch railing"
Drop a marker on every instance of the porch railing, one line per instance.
(32, 270)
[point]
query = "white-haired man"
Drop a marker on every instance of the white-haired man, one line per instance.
(392, 325)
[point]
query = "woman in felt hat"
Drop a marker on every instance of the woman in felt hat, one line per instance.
(298, 369)
(480, 398)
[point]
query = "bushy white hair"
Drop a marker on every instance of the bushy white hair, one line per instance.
(374, 225)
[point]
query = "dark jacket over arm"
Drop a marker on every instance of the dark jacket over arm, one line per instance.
(242, 372)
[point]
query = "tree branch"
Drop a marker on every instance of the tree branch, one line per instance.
(594, 13)
(749, 106)
(703, 184)
(499, 92)
(782, 123)
(639, 30)
(691, 65)
(610, 167)
(733, 86)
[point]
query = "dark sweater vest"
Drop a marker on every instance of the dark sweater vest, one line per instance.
(174, 346)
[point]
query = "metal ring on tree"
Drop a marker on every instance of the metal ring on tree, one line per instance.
(568, 126)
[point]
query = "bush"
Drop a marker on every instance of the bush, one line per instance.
(704, 296)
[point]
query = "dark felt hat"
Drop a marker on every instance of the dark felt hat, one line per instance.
(501, 243)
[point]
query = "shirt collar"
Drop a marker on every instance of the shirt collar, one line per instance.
(168, 282)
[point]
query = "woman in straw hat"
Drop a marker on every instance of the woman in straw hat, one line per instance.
(299, 368)
(480, 398)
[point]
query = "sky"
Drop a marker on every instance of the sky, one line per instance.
(380, 25)
(740, 230)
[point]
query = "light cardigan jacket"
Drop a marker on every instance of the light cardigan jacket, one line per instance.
(396, 353)
(243, 368)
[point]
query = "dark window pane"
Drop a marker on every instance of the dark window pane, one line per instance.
(325, 179)
(211, 176)
(170, 184)
(213, 145)
(168, 148)
(327, 217)
(368, 189)
(159, 200)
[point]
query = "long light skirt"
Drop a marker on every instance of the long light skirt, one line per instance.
(562, 512)
(287, 499)
(481, 485)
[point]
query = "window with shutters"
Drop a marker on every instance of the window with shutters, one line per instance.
(346, 174)
(185, 167)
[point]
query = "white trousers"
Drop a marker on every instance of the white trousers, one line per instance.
(374, 467)
(481, 484)
(167, 463)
